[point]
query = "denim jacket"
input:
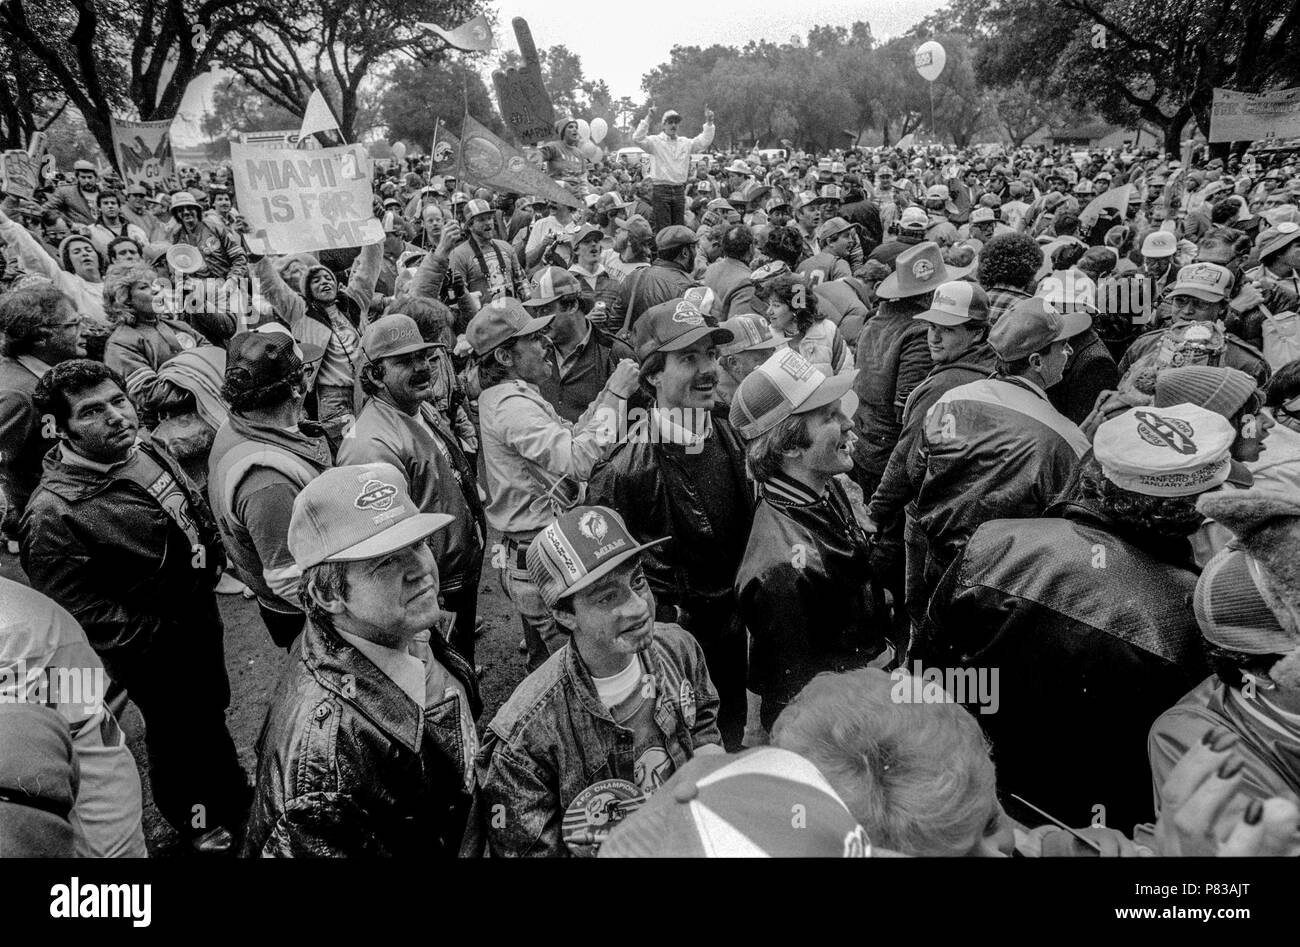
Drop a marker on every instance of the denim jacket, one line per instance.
(347, 766)
(554, 738)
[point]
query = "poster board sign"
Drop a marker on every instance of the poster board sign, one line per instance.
(21, 173)
(300, 201)
(1259, 116)
(144, 152)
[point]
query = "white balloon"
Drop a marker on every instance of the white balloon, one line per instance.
(930, 59)
(599, 129)
(584, 130)
(591, 151)
(399, 151)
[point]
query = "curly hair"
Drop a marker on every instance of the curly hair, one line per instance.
(796, 292)
(917, 775)
(784, 244)
(1136, 513)
(1010, 259)
(432, 318)
(117, 289)
(56, 387)
(1097, 262)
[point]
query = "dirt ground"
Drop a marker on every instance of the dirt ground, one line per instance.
(254, 665)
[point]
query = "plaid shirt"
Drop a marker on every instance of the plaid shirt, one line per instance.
(1002, 298)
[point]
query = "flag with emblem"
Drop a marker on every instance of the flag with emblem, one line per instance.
(488, 160)
(472, 36)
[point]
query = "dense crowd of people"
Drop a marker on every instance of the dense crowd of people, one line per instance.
(951, 494)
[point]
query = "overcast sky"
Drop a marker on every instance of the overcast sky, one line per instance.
(620, 43)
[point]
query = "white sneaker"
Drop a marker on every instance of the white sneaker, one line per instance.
(229, 585)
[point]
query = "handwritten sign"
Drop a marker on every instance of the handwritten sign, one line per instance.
(144, 151)
(297, 201)
(21, 173)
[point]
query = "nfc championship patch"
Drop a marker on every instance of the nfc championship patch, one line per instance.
(595, 811)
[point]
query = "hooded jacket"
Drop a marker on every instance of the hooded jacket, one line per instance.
(1091, 632)
(311, 324)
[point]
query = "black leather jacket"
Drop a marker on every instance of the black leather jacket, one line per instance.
(1091, 632)
(647, 484)
(806, 594)
(347, 766)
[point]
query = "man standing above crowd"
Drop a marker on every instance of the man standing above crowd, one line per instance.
(670, 163)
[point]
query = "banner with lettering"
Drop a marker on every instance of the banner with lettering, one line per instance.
(298, 201)
(144, 152)
(1260, 116)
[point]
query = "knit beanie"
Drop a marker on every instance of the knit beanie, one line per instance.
(1248, 597)
(308, 275)
(1221, 390)
(66, 243)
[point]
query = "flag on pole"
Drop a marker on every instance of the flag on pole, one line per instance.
(318, 118)
(446, 148)
(493, 163)
(1115, 199)
(473, 36)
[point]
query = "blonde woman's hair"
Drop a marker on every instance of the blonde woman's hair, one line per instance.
(117, 289)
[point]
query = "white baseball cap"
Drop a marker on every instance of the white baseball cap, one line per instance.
(1159, 244)
(784, 385)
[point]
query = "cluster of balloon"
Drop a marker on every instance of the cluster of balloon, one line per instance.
(590, 136)
(399, 150)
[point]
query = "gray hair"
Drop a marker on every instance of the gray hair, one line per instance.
(917, 776)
